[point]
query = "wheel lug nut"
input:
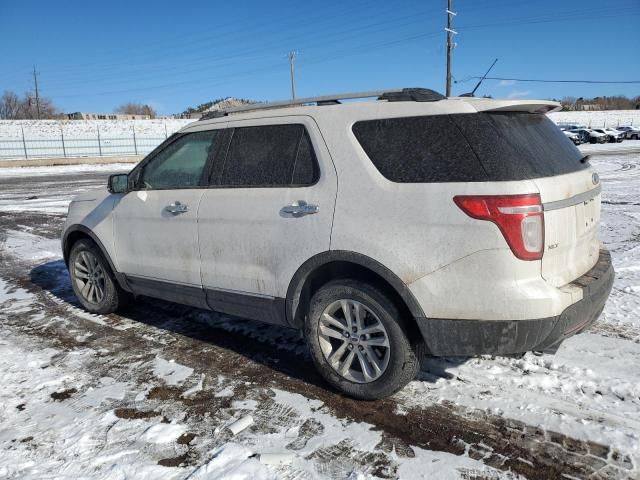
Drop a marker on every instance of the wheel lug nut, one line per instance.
(346, 334)
(363, 338)
(360, 347)
(350, 347)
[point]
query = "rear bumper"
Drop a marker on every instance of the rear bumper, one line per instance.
(445, 337)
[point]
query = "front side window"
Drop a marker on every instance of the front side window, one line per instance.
(180, 164)
(270, 156)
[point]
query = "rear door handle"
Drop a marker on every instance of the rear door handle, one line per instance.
(298, 209)
(176, 208)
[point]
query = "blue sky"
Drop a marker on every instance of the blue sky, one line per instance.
(94, 56)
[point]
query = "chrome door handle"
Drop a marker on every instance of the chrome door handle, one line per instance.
(298, 209)
(176, 208)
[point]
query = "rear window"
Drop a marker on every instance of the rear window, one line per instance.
(473, 147)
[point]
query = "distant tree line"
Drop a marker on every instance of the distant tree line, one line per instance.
(616, 102)
(14, 107)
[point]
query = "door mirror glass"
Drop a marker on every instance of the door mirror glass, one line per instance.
(118, 183)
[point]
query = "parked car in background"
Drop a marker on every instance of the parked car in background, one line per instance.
(574, 137)
(613, 136)
(590, 136)
(384, 230)
(570, 126)
(630, 133)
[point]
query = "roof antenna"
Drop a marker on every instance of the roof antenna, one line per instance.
(471, 94)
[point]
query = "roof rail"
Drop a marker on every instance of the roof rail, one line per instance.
(394, 95)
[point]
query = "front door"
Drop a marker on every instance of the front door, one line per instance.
(155, 225)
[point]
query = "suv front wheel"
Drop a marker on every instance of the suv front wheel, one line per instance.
(92, 279)
(358, 340)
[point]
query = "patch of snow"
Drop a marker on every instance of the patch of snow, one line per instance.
(163, 433)
(171, 372)
(31, 247)
(30, 172)
(581, 391)
(233, 462)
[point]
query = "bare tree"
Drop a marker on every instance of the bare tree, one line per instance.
(29, 109)
(132, 108)
(10, 105)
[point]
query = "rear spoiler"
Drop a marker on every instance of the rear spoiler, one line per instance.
(528, 106)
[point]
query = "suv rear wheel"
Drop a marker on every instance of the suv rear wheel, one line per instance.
(92, 279)
(358, 340)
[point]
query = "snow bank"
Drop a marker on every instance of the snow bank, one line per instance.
(598, 118)
(73, 129)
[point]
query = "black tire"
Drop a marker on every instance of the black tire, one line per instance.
(113, 298)
(403, 354)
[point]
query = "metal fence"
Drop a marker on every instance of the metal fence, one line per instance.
(63, 146)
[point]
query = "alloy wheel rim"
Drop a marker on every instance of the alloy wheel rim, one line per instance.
(354, 341)
(89, 277)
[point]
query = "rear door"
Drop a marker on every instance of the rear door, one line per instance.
(269, 209)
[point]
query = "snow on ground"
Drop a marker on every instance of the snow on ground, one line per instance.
(59, 421)
(58, 408)
(584, 391)
(108, 168)
(625, 147)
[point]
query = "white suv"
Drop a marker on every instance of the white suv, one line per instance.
(383, 229)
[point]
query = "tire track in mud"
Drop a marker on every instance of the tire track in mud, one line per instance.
(180, 333)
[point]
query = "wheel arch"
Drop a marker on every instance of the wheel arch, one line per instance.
(336, 264)
(78, 232)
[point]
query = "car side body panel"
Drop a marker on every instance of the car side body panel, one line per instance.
(247, 243)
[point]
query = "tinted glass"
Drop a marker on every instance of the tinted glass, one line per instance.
(271, 155)
(468, 147)
(180, 164)
(305, 167)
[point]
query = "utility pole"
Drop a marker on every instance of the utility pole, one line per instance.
(450, 32)
(35, 81)
(292, 57)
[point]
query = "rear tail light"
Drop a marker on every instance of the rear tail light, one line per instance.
(520, 218)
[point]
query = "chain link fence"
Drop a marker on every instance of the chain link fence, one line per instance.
(85, 146)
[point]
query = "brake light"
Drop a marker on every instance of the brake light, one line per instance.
(520, 218)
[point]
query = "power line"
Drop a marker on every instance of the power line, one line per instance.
(560, 81)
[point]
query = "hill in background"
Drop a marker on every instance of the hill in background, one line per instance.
(216, 105)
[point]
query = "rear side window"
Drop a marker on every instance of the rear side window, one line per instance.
(468, 147)
(270, 156)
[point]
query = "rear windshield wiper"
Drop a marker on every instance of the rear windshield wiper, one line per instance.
(585, 159)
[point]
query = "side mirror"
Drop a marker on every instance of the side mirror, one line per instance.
(118, 183)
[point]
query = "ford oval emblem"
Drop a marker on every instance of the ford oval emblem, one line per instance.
(595, 178)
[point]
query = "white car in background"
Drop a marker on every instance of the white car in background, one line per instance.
(590, 136)
(574, 137)
(613, 136)
(630, 133)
